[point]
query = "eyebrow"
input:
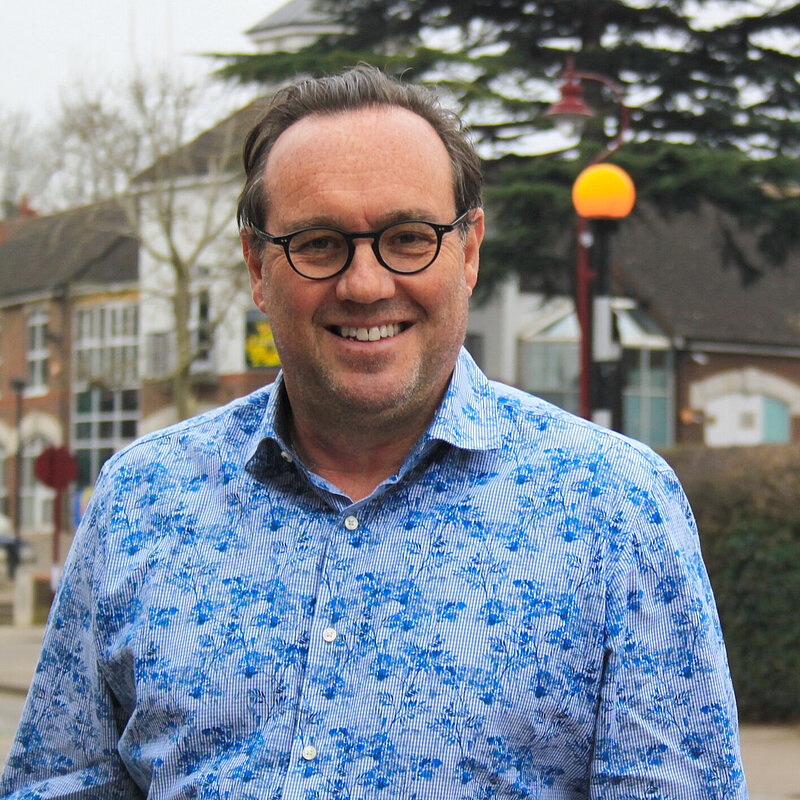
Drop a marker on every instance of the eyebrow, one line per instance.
(328, 221)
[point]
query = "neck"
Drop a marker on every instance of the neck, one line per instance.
(355, 457)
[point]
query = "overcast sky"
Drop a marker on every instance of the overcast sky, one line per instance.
(47, 45)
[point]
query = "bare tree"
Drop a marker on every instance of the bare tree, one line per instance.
(22, 174)
(134, 146)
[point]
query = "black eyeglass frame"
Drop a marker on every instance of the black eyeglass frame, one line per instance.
(285, 240)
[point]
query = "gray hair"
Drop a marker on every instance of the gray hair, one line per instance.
(361, 87)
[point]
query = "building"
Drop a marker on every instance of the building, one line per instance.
(292, 26)
(69, 340)
(87, 324)
(193, 266)
(710, 332)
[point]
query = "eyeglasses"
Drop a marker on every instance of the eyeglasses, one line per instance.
(403, 247)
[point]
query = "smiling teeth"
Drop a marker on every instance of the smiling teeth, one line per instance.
(370, 334)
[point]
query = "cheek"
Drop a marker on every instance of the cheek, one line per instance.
(455, 288)
(289, 299)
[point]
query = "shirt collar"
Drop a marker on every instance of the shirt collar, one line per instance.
(271, 439)
(466, 418)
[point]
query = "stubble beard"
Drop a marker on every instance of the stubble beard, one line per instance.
(407, 405)
(368, 412)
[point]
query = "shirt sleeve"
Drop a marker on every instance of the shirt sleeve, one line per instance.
(667, 723)
(66, 744)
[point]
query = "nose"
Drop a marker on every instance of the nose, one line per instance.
(365, 280)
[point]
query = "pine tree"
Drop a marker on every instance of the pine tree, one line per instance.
(712, 89)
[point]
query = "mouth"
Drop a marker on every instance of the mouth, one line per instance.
(371, 334)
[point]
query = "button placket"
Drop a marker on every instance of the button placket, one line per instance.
(313, 753)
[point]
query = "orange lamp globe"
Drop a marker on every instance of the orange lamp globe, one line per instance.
(603, 191)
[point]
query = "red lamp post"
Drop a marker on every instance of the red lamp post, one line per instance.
(572, 106)
(602, 194)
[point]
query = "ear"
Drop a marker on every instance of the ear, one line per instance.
(255, 268)
(472, 249)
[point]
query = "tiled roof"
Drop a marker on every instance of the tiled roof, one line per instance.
(197, 157)
(684, 270)
(84, 245)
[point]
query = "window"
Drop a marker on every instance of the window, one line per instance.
(105, 421)
(201, 331)
(647, 377)
(550, 370)
(162, 347)
(106, 345)
(36, 500)
(549, 367)
(160, 355)
(259, 346)
(38, 352)
(106, 404)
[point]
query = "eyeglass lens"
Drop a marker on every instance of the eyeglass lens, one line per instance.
(405, 247)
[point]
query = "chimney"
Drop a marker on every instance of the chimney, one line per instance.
(25, 210)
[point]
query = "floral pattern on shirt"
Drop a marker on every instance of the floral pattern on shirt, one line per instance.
(521, 612)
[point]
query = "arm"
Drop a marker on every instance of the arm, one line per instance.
(667, 724)
(65, 746)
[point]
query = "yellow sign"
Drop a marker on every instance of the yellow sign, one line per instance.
(260, 346)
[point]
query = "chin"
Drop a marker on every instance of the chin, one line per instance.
(377, 401)
(384, 399)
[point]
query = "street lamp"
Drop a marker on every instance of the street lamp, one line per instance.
(572, 106)
(603, 194)
(18, 385)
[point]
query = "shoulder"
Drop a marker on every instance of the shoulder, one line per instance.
(536, 437)
(529, 419)
(222, 434)
(558, 449)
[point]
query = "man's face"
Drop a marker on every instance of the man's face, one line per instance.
(360, 171)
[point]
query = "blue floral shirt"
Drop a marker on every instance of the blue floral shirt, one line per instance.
(520, 612)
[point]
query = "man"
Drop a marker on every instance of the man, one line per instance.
(383, 576)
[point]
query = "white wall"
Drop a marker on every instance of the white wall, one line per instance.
(733, 404)
(219, 267)
(501, 321)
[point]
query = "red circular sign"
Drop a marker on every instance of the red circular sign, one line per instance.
(56, 467)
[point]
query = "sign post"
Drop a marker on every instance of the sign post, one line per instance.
(57, 468)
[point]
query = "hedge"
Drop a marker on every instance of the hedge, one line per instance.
(747, 505)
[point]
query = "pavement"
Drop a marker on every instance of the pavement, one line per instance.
(771, 753)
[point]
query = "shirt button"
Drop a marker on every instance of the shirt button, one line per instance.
(329, 634)
(351, 523)
(309, 752)
(286, 456)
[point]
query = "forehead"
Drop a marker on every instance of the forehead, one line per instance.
(364, 156)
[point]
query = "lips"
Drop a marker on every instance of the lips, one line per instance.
(372, 334)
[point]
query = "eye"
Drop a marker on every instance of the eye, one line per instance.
(409, 236)
(317, 243)
(315, 240)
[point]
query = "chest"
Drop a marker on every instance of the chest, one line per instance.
(437, 623)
